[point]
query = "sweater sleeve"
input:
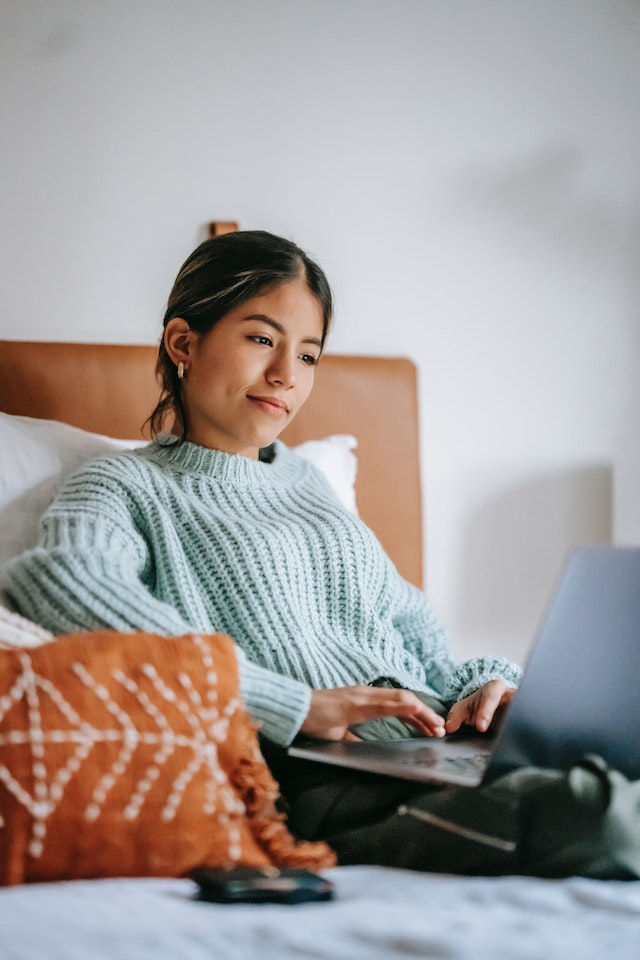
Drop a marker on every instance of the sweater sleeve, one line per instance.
(425, 638)
(86, 575)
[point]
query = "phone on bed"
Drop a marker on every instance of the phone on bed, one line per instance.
(260, 885)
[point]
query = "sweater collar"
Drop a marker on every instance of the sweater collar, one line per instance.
(192, 458)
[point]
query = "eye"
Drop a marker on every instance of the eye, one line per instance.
(309, 359)
(262, 340)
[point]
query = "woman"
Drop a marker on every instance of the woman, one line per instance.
(216, 526)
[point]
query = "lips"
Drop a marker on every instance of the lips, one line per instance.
(271, 404)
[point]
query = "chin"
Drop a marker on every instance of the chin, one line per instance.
(267, 441)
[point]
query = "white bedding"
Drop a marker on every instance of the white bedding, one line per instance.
(377, 913)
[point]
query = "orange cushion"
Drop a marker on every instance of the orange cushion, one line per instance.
(131, 755)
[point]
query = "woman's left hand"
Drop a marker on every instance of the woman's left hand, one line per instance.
(482, 708)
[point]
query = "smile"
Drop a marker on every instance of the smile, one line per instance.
(271, 405)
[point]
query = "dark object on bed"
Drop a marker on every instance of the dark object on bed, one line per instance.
(261, 885)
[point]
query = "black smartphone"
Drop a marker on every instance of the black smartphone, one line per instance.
(260, 885)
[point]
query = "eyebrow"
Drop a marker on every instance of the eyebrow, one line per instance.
(278, 326)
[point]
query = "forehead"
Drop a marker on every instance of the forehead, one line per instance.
(291, 304)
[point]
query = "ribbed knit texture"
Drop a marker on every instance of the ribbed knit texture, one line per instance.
(175, 538)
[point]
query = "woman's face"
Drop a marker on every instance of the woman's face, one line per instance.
(247, 378)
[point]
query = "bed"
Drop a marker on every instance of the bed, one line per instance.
(104, 391)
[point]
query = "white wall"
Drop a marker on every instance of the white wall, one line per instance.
(468, 173)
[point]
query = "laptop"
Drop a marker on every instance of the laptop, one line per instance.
(580, 692)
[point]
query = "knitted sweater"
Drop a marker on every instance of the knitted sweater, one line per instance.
(179, 538)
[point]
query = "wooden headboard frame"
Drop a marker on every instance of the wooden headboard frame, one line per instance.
(112, 389)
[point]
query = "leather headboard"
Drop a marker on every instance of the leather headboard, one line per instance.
(112, 390)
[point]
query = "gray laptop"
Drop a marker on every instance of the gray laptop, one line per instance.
(580, 692)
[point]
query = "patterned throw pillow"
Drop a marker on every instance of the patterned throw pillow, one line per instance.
(132, 755)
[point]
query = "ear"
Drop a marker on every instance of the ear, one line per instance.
(179, 340)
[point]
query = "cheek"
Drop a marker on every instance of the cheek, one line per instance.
(306, 386)
(206, 389)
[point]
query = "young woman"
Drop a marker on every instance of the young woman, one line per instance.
(216, 526)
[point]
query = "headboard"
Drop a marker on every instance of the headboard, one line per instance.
(111, 389)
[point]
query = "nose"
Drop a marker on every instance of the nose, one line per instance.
(282, 369)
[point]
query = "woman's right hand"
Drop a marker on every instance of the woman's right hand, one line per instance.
(331, 712)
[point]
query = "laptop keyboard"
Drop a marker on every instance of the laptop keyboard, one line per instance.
(470, 764)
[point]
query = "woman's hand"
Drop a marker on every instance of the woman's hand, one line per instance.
(331, 712)
(480, 709)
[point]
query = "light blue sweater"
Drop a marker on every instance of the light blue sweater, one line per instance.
(173, 539)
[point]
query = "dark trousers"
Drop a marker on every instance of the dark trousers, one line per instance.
(548, 823)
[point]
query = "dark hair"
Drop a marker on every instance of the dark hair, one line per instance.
(220, 275)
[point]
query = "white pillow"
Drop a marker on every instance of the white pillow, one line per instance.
(37, 456)
(335, 458)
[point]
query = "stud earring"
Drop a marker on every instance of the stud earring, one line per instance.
(181, 371)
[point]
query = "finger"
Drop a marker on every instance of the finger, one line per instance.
(371, 703)
(460, 712)
(351, 737)
(498, 716)
(489, 699)
(332, 711)
(407, 707)
(429, 723)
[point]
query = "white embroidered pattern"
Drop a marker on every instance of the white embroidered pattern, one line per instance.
(205, 728)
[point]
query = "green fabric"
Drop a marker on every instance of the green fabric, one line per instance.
(586, 822)
(547, 823)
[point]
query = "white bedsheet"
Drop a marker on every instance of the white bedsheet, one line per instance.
(377, 913)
